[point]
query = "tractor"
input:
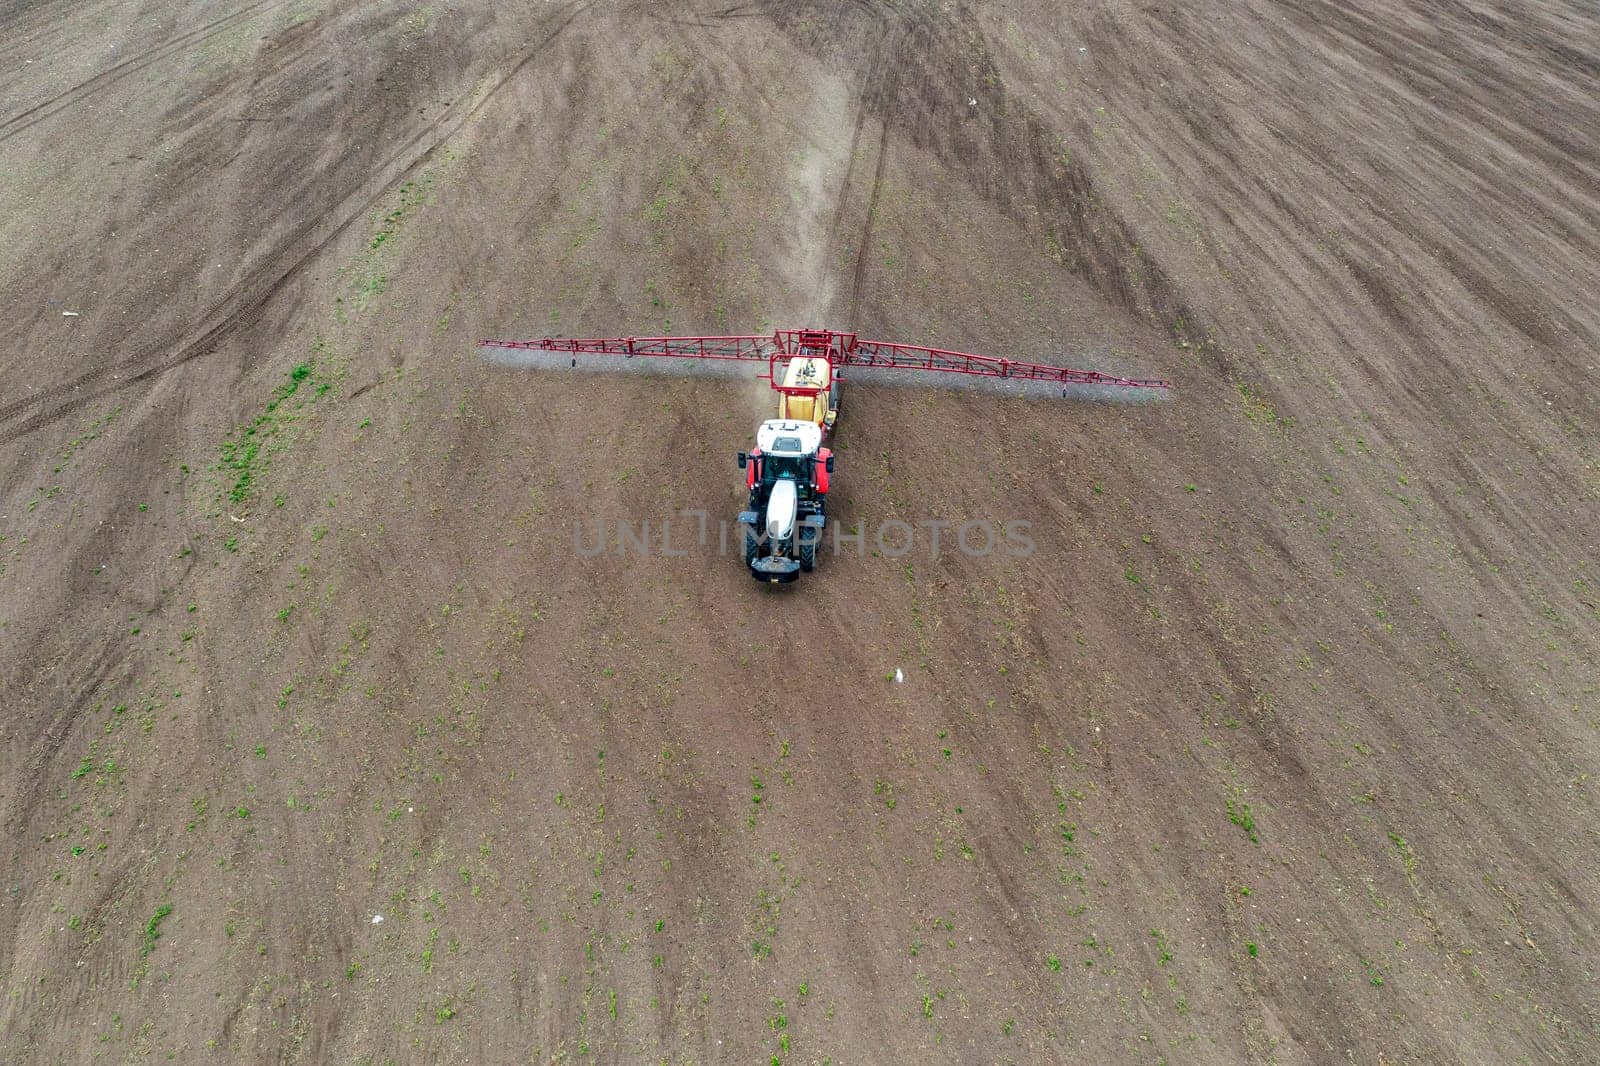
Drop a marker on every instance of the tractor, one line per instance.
(788, 474)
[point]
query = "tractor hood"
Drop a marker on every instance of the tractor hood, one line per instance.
(781, 505)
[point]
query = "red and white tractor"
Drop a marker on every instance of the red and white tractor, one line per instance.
(788, 475)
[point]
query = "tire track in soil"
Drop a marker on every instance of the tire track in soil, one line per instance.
(877, 97)
(48, 109)
(858, 272)
(879, 75)
(246, 301)
(1030, 184)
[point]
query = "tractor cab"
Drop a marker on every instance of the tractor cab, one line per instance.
(788, 476)
(790, 444)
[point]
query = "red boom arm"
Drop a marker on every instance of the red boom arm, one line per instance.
(744, 349)
(884, 355)
(842, 350)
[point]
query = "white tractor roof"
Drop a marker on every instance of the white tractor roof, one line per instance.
(778, 436)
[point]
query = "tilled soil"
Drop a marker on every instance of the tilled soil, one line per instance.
(330, 736)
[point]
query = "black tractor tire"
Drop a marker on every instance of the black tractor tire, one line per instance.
(751, 546)
(808, 554)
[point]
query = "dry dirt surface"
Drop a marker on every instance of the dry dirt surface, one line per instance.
(323, 742)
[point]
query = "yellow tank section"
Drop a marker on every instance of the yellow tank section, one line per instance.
(803, 373)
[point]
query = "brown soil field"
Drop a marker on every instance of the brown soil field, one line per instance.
(1281, 747)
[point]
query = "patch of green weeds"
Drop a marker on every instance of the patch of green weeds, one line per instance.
(1373, 975)
(152, 929)
(1163, 956)
(241, 454)
(1239, 814)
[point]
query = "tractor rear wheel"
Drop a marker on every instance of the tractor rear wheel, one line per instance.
(808, 555)
(751, 547)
